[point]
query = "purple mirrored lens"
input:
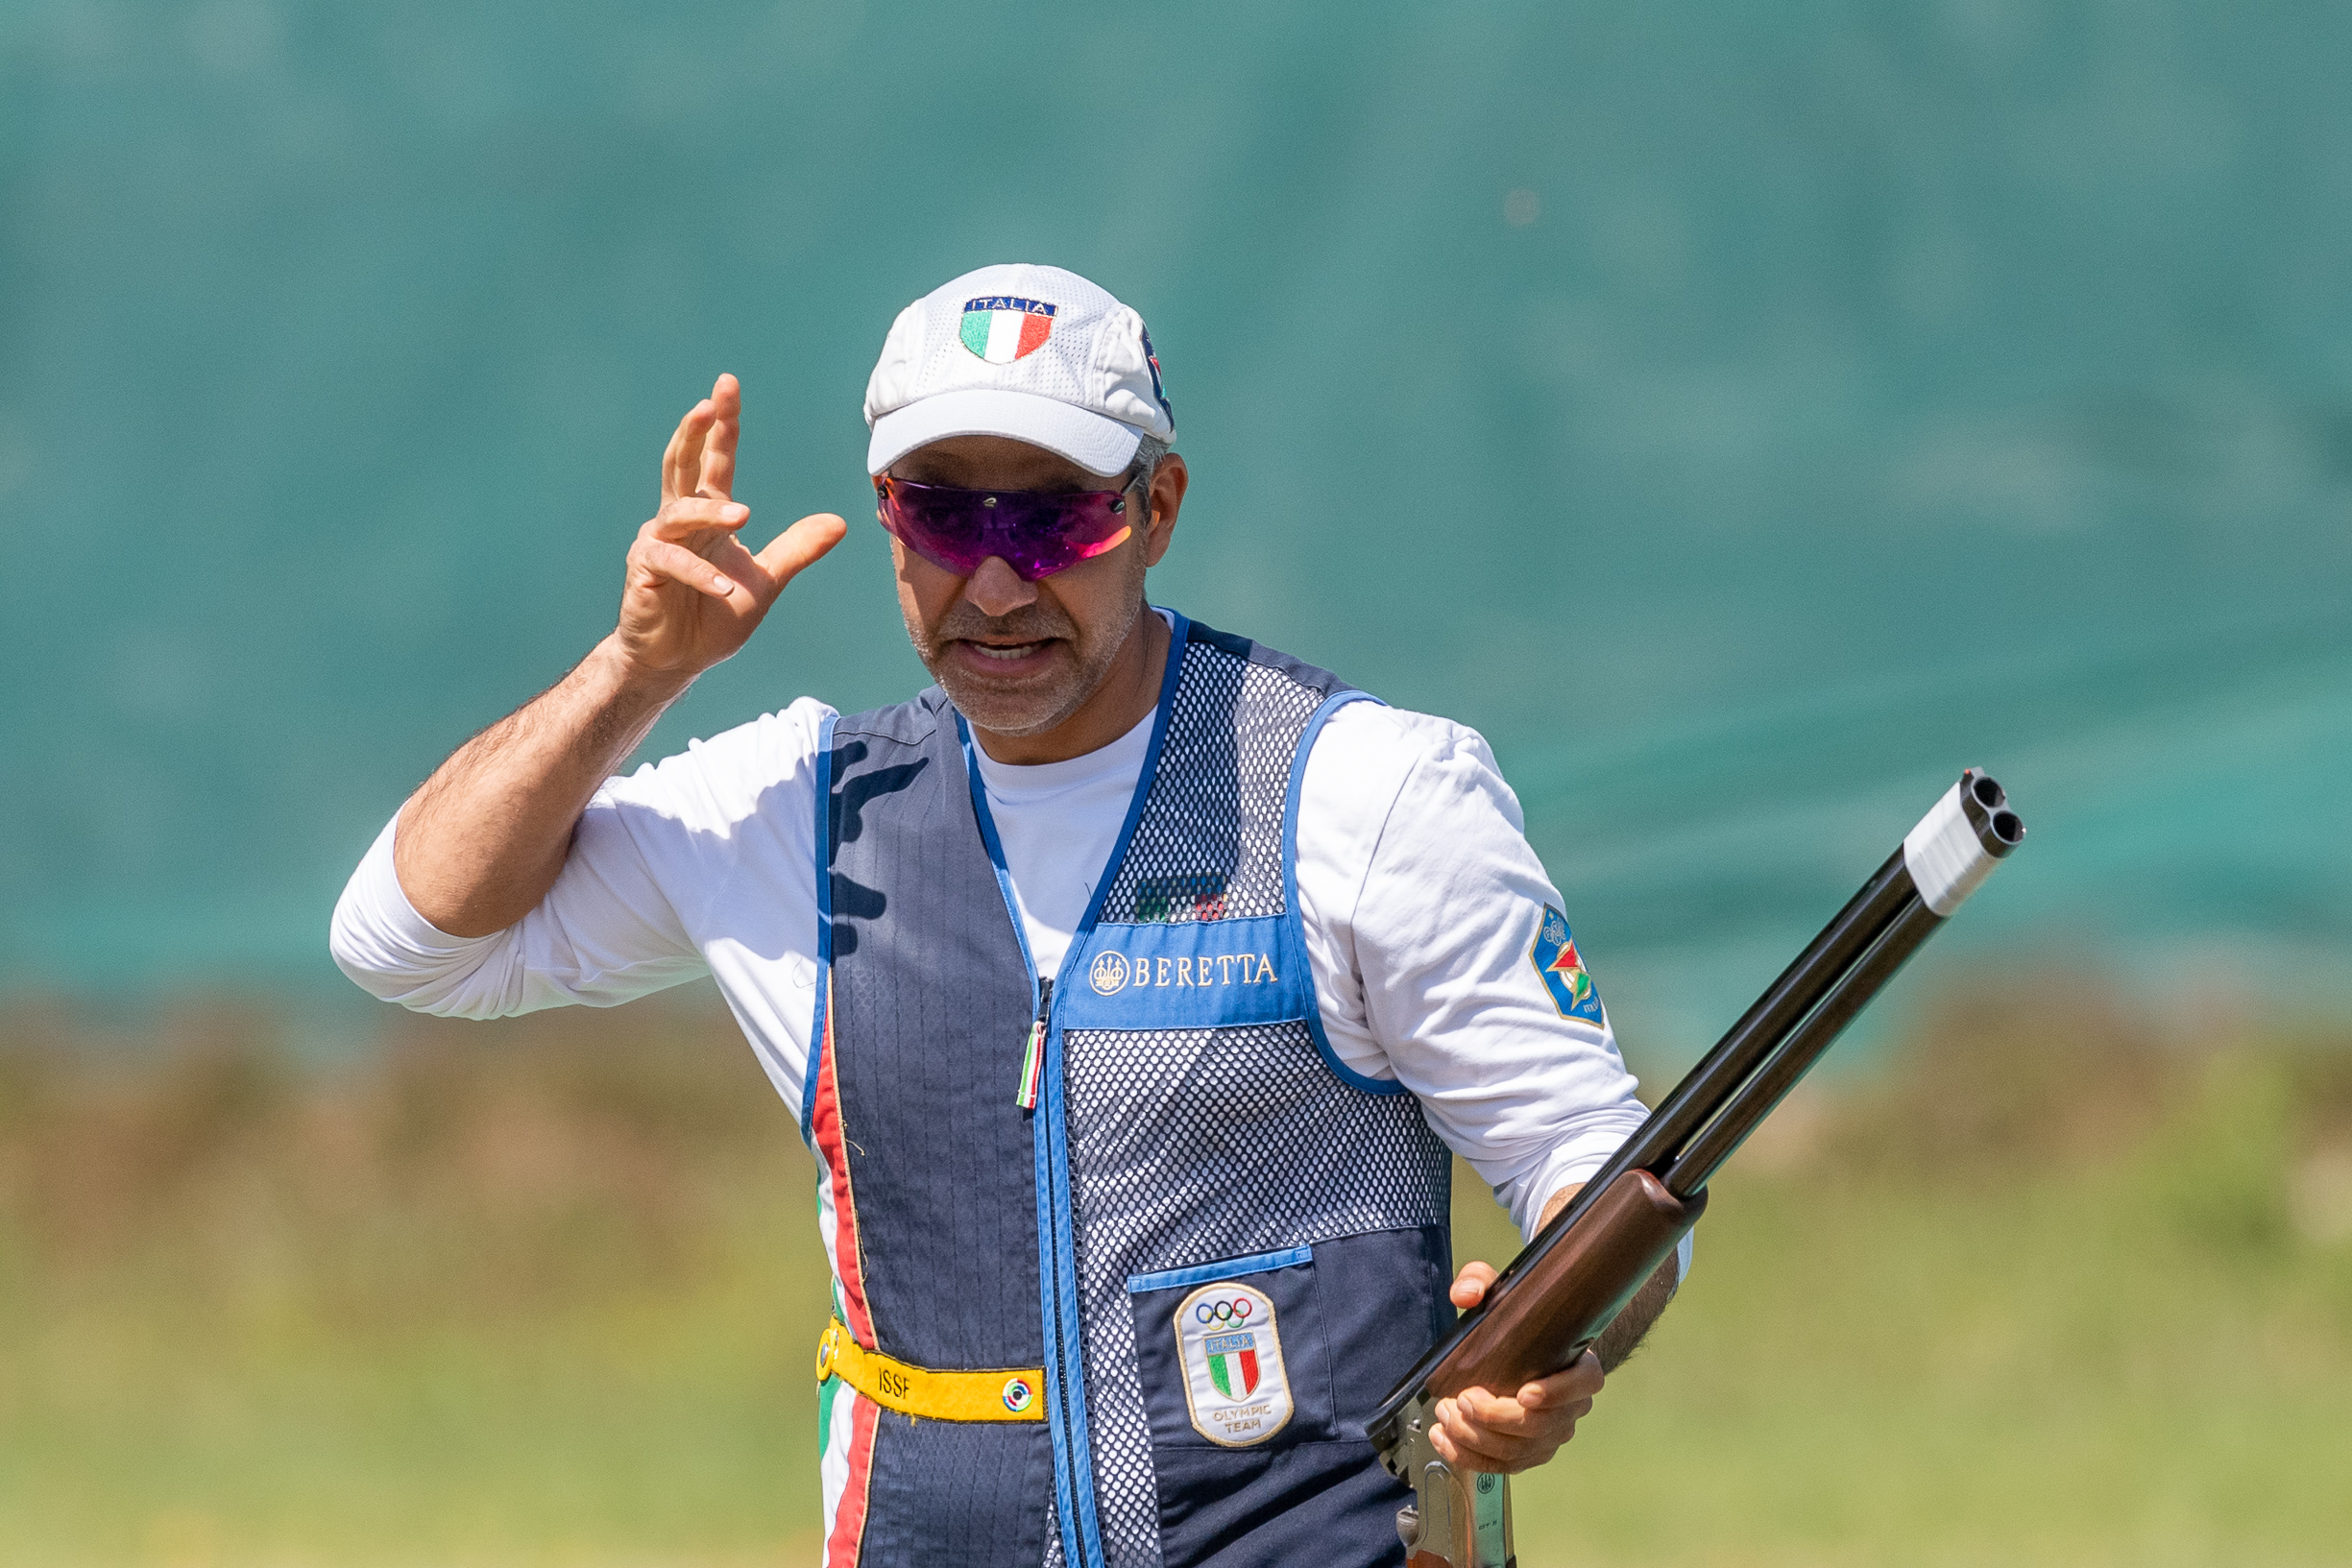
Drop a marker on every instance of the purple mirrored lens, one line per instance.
(1037, 533)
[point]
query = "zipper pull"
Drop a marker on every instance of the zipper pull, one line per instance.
(1032, 1059)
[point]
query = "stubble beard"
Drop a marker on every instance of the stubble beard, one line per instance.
(1034, 704)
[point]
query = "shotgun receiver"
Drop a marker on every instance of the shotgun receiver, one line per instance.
(1582, 1268)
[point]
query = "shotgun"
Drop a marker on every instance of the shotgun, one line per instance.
(1581, 1270)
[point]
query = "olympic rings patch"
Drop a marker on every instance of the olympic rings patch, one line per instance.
(1235, 1310)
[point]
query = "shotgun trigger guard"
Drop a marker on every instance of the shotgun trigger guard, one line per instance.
(1457, 1519)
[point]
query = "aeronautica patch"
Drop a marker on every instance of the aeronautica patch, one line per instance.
(1236, 1387)
(1001, 328)
(1562, 968)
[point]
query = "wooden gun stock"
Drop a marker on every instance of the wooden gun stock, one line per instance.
(1541, 1321)
(1538, 1319)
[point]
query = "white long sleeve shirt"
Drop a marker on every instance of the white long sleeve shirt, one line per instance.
(1420, 894)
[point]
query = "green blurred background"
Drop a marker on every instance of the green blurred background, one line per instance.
(1744, 415)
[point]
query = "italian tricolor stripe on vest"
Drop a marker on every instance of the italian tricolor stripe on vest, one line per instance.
(1001, 328)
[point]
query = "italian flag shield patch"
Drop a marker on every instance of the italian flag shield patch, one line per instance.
(1234, 1369)
(1001, 328)
(1236, 1388)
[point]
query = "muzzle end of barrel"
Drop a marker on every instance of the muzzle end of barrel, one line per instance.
(1986, 804)
(1957, 843)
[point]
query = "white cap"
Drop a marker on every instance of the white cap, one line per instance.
(1031, 352)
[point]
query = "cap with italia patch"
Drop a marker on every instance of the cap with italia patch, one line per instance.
(1032, 352)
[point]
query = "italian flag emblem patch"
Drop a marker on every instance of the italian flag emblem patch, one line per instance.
(1233, 1364)
(1236, 1388)
(1001, 328)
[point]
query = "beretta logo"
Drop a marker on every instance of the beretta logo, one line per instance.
(1108, 974)
(1111, 973)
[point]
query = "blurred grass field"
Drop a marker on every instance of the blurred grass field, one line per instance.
(2040, 1285)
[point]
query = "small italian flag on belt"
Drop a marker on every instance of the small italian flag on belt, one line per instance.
(1001, 328)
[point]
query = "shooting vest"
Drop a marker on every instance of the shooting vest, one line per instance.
(1121, 1266)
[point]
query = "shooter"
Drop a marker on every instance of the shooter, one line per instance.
(1135, 986)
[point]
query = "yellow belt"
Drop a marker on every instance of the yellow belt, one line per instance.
(1005, 1394)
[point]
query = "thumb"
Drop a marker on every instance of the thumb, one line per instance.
(792, 551)
(1469, 1286)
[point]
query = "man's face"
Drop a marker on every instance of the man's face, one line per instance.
(1020, 658)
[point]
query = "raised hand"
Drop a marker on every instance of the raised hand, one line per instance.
(694, 593)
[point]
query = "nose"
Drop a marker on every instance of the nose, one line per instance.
(997, 589)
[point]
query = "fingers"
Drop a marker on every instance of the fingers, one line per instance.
(717, 475)
(1469, 1286)
(694, 514)
(1580, 1379)
(1470, 1446)
(1498, 1456)
(1502, 1436)
(1485, 1416)
(1555, 1415)
(792, 552)
(700, 458)
(667, 548)
(681, 460)
(656, 559)
(1499, 1459)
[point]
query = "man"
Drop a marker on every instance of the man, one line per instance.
(1130, 985)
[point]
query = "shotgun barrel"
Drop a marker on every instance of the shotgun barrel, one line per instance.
(1571, 1281)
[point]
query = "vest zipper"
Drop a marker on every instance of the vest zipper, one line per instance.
(1033, 1058)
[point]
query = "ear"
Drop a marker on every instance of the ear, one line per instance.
(1168, 484)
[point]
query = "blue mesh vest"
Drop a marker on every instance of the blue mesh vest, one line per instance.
(1221, 1244)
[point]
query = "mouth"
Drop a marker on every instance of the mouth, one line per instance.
(1005, 658)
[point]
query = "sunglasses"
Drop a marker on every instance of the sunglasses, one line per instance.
(1036, 532)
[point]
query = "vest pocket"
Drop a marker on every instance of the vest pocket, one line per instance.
(1233, 1354)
